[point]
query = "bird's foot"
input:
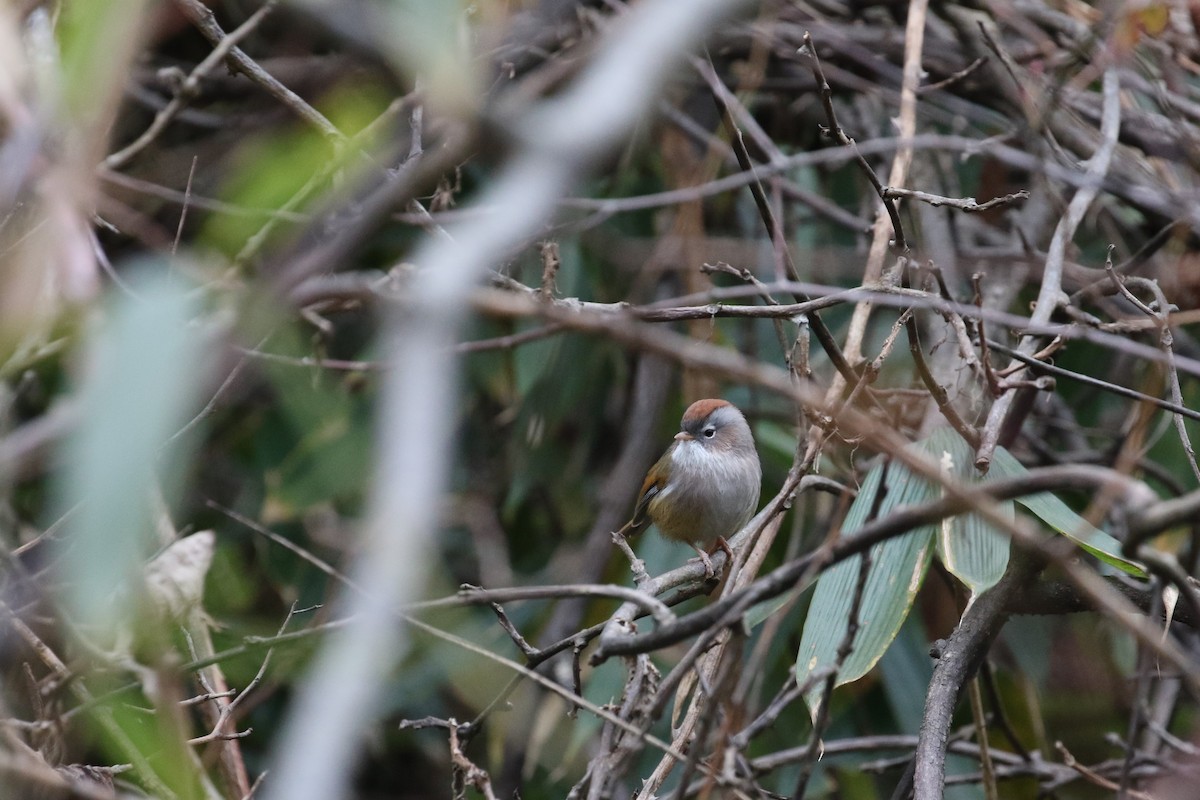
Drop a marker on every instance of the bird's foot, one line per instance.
(721, 544)
(709, 572)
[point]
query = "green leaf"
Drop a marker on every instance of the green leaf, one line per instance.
(1058, 515)
(971, 550)
(98, 40)
(897, 569)
(771, 437)
(904, 674)
(761, 612)
(290, 171)
(143, 374)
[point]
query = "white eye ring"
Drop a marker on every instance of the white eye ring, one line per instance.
(710, 432)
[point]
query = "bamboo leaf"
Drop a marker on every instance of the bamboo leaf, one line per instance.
(897, 568)
(1059, 516)
(971, 550)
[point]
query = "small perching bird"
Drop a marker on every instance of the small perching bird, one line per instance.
(706, 486)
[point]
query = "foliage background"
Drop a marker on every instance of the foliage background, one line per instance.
(299, 291)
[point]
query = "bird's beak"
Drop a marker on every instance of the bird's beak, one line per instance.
(684, 436)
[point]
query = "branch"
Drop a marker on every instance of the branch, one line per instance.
(967, 204)
(958, 660)
(1050, 294)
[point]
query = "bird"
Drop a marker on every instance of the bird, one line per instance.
(706, 485)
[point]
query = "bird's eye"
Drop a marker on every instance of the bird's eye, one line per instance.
(710, 432)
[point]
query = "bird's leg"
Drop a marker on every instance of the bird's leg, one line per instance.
(721, 544)
(709, 572)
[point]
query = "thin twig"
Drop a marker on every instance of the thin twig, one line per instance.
(835, 132)
(187, 197)
(985, 753)
(819, 328)
(1092, 777)
(1166, 341)
(967, 204)
(936, 390)
(187, 88)
(205, 21)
